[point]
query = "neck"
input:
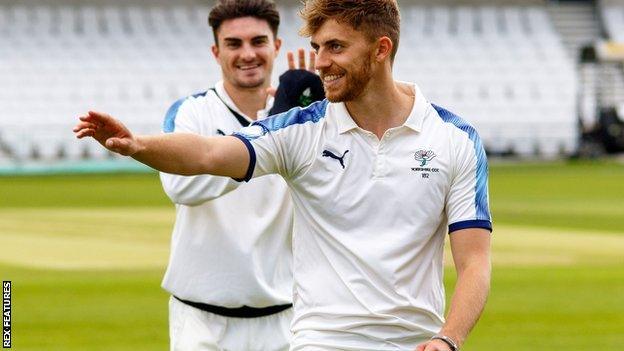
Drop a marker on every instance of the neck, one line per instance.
(383, 105)
(248, 100)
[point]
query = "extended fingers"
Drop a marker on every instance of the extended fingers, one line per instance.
(81, 133)
(301, 54)
(301, 60)
(97, 118)
(291, 60)
(312, 65)
(84, 129)
(84, 125)
(100, 115)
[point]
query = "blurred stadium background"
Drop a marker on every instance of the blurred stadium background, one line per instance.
(84, 234)
(538, 79)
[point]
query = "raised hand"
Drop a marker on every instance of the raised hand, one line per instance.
(301, 64)
(301, 60)
(109, 132)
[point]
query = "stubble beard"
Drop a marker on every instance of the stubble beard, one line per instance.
(357, 82)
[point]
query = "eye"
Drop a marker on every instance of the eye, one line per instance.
(335, 47)
(260, 42)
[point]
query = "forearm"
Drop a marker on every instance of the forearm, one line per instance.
(471, 292)
(191, 154)
(196, 190)
(176, 153)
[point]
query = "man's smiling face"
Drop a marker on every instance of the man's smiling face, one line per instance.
(246, 50)
(343, 60)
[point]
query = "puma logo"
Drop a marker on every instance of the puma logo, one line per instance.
(327, 153)
(220, 132)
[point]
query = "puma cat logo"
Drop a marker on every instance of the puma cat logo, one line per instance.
(327, 153)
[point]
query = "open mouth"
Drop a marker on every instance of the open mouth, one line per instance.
(331, 79)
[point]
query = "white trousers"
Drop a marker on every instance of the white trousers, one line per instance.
(191, 329)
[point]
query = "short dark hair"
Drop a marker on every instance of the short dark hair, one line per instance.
(375, 18)
(231, 9)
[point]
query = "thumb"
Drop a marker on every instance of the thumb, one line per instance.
(120, 146)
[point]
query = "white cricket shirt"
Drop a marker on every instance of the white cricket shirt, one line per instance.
(231, 243)
(370, 219)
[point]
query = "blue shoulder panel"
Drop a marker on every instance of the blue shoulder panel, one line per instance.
(481, 200)
(169, 123)
(313, 113)
(297, 115)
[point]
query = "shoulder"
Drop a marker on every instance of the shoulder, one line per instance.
(288, 121)
(463, 138)
(185, 106)
(190, 100)
(296, 116)
(456, 124)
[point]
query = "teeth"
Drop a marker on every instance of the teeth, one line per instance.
(331, 77)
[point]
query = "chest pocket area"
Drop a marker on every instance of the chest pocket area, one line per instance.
(333, 174)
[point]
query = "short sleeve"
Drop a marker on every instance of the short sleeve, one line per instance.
(468, 199)
(282, 143)
(467, 203)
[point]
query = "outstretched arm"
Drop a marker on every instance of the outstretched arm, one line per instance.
(177, 153)
(471, 254)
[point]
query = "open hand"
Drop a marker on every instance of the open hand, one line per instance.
(109, 132)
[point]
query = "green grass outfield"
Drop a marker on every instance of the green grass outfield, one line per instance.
(86, 255)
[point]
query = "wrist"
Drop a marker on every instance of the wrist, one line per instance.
(452, 344)
(458, 337)
(139, 145)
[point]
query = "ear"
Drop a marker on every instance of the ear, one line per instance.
(278, 45)
(384, 49)
(215, 51)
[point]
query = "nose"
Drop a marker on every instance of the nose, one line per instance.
(322, 60)
(248, 53)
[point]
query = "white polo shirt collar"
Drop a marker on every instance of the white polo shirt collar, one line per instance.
(414, 121)
(262, 114)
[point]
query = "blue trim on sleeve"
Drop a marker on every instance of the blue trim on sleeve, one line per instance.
(475, 223)
(172, 113)
(481, 191)
(297, 115)
(313, 113)
(252, 158)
